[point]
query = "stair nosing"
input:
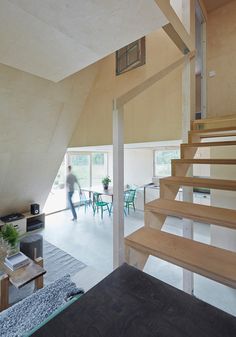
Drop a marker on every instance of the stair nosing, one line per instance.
(222, 143)
(217, 161)
(207, 218)
(227, 185)
(228, 280)
(229, 128)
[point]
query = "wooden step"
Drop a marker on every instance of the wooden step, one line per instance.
(214, 263)
(224, 121)
(180, 166)
(218, 184)
(188, 150)
(205, 214)
(208, 144)
(216, 130)
(197, 135)
(204, 161)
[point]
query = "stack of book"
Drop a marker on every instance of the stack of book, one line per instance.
(16, 261)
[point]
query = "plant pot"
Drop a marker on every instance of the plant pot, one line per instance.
(4, 247)
(14, 249)
(105, 187)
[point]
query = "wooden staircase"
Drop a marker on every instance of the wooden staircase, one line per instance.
(212, 262)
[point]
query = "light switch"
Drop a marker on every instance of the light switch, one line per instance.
(212, 73)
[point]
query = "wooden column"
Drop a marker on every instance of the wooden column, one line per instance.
(188, 112)
(118, 185)
(39, 280)
(4, 292)
(204, 71)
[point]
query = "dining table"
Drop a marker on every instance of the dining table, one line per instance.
(98, 189)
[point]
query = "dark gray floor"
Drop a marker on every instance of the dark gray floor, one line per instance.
(130, 303)
(90, 241)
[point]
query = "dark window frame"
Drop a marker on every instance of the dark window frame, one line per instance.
(125, 52)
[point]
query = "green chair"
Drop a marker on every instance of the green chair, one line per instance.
(129, 199)
(84, 201)
(98, 203)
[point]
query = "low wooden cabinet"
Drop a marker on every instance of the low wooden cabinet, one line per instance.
(20, 225)
(34, 222)
(29, 223)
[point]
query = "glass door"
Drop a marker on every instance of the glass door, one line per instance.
(56, 200)
(99, 167)
(80, 163)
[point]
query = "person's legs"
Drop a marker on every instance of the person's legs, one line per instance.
(70, 194)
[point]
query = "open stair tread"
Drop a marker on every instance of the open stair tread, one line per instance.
(206, 214)
(215, 130)
(212, 262)
(221, 184)
(216, 135)
(216, 119)
(207, 144)
(205, 161)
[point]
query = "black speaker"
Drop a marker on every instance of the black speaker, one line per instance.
(34, 209)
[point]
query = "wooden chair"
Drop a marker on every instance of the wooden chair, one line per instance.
(84, 201)
(98, 203)
(129, 199)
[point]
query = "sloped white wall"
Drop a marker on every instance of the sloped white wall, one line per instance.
(37, 120)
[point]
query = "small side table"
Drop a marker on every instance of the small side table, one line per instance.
(19, 278)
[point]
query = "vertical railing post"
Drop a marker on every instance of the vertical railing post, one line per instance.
(118, 185)
(188, 112)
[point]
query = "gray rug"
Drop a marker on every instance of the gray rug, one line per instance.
(57, 263)
(33, 310)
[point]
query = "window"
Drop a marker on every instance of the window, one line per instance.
(130, 56)
(162, 161)
(89, 168)
(57, 197)
(80, 163)
(99, 167)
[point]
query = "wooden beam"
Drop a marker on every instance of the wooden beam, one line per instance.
(39, 280)
(153, 220)
(175, 22)
(4, 292)
(122, 100)
(203, 9)
(135, 258)
(174, 36)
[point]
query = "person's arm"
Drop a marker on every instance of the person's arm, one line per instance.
(80, 192)
(77, 182)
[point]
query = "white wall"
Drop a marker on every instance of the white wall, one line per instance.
(138, 166)
(138, 170)
(37, 120)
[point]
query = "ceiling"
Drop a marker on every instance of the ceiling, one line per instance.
(56, 38)
(214, 4)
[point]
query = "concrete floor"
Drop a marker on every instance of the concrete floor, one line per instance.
(90, 241)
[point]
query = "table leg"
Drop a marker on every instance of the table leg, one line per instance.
(39, 280)
(4, 292)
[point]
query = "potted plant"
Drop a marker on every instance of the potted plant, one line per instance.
(10, 234)
(4, 249)
(105, 181)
